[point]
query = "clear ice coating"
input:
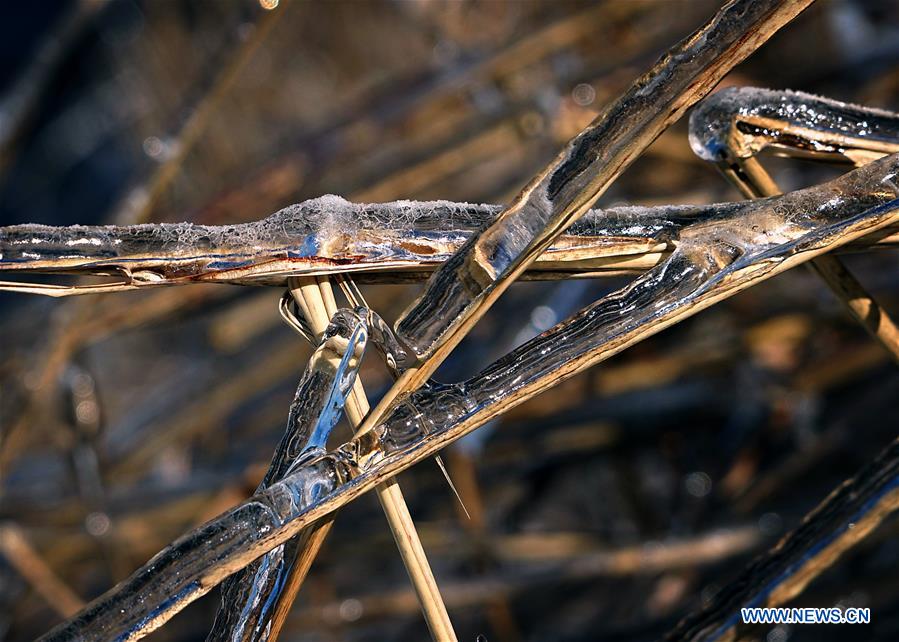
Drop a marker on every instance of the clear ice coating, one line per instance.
(468, 281)
(250, 597)
(191, 565)
(714, 259)
(396, 357)
(302, 231)
(608, 240)
(868, 497)
(766, 117)
(322, 233)
(299, 237)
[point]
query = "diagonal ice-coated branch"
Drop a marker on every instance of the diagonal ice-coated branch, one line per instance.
(464, 287)
(714, 260)
(840, 522)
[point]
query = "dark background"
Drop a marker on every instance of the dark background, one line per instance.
(596, 507)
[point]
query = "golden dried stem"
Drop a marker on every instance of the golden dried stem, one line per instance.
(315, 297)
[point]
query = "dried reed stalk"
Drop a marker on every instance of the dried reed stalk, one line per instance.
(315, 297)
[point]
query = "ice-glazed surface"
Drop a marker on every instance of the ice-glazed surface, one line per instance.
(870, 497)
(767, 116)
(250, 597)
(715, 259)
(190, 566)
(322, 231)
(295, 229)
(465, 285)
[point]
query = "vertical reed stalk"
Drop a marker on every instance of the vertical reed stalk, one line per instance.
(315, 297)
